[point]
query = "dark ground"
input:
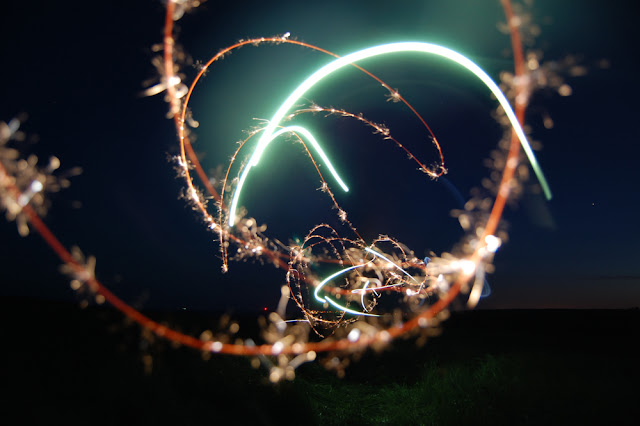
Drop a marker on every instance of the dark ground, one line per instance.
(66, 365)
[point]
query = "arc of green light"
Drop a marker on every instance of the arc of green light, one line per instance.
(423, 47)
(253, 161)
(326, 299)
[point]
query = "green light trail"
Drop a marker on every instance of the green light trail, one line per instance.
(262, 145)
(316, 146)
(270, 131)
(326, 299)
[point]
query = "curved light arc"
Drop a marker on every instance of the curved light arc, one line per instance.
(335, 65)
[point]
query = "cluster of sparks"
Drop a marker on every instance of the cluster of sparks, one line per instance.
(377, 290)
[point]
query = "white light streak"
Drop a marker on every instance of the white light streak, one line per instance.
(329, 278)
(326, 299)
(349, 311)
(257, 154)
(364, 289)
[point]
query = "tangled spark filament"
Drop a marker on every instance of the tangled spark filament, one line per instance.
(444, 278)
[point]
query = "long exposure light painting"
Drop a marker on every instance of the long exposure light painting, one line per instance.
(351, 293)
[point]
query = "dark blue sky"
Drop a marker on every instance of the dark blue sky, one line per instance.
(78, 70)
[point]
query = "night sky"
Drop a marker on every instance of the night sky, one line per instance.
(78, 72)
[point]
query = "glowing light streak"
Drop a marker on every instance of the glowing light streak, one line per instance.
(317, 147)
(347, 310)
(367, 249)
(373, 289)
(255, 158)
(329, 278)
(326, 299)
(328, 69)
(364, 289)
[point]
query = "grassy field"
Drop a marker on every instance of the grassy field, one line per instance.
(72, 366)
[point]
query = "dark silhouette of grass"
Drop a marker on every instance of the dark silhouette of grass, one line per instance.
(519, 388)
(72, 366)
